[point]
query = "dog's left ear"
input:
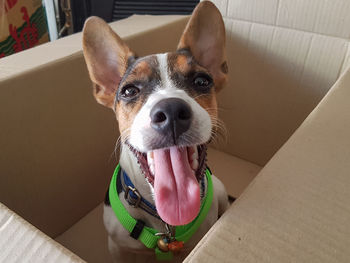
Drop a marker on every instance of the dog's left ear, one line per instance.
(205, 37)
(106, 56)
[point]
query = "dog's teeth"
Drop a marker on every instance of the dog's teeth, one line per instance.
(151, 168)
(193, 153)
(150, 161)
(194, 164)
(194, 156)
(150, 156)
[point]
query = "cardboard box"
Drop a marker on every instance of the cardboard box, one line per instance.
(22, 25)
(287, 59)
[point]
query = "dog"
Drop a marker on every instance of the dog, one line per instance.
(166, 108)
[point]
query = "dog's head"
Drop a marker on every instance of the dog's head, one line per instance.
(165, 104)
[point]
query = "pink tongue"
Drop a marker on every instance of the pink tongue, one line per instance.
(175, 186)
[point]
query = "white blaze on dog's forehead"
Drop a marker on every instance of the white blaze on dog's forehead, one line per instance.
(168, 88)
(164, 71)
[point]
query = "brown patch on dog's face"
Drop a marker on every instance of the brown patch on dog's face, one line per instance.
(143, 76)
(183, 72)
(126, 116)
(142, 71)
(182, 63)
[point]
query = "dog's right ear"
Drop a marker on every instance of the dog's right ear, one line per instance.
(106, 56)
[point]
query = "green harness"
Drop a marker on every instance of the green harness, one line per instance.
(148, 235)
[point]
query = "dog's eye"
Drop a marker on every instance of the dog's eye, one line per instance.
(202, 81)
(129, 91)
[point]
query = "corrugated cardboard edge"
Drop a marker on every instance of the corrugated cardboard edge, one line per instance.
(297, 209)
(22, 242)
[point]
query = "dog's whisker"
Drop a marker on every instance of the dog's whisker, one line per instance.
(218, 129)
(201, 95)
(123, 136)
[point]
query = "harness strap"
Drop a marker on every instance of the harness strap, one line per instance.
(132, 195)
(148, 235)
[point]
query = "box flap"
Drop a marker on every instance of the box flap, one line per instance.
(283, 56)
(297, 209)
(22, 242)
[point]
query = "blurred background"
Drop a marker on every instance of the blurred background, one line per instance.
(27, 23)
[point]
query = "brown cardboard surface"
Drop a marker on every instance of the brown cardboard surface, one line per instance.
(88, 237)
(283, 57)
(297, 209)
(323, 17)
(235, 173)
(21, 242)
(346, 63)
(57, 143)
(292, 71)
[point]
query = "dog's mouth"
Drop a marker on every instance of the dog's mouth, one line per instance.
(175, 173)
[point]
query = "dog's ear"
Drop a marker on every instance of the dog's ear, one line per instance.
(106, 56)
(204, 36)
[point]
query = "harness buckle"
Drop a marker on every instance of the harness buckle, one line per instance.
(135, 192)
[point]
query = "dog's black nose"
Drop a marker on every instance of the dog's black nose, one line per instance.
(171, 117)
